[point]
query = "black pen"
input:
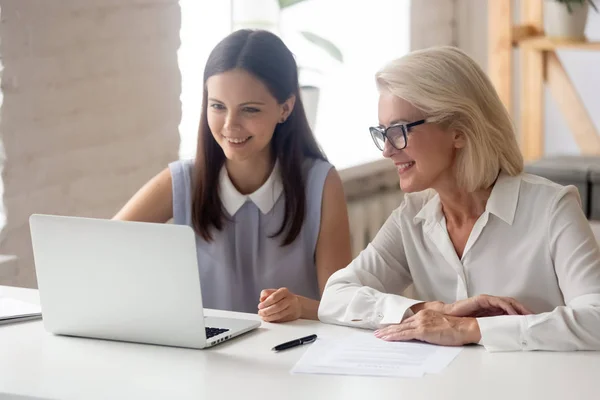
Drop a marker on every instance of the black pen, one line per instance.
(295, 342)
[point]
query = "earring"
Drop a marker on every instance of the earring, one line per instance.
(282, 120)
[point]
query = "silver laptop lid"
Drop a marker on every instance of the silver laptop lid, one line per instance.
(118, 280)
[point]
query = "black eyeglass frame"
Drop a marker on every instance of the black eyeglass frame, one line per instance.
(383, 132)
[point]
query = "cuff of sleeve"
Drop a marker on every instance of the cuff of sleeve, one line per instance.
(392, 309)
(502, 333)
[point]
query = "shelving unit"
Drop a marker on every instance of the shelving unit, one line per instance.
(539, 65)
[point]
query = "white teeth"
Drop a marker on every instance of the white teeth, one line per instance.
(236, 140)
(405, 165)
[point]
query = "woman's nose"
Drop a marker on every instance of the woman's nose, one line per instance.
(231, 122)
(388, 149)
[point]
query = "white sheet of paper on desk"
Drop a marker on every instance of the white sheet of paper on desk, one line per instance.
(12, 308)
(364, 354)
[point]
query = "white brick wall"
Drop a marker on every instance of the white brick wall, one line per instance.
(91, 108)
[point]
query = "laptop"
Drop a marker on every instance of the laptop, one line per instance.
(125, 281)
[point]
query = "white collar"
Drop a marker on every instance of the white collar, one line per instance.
(502, 201)
(264, 197)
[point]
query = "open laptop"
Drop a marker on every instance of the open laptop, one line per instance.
(126, 281)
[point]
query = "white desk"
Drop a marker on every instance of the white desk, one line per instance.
(35, 363)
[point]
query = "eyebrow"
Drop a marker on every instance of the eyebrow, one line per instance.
(242, 104)
(394, 122)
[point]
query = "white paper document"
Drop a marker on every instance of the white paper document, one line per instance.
(12, 310)
(364, 354)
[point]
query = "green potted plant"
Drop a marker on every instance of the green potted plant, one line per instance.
(310, 93)
(566, 19)
(315, 39)
(265, 14)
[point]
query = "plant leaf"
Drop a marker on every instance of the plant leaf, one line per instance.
(287, 3)
(324, 44)
(570, 9)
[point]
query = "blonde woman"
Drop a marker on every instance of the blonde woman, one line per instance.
(496, 256)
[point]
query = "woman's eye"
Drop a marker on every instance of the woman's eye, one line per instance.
(251, 110)
(217, 106)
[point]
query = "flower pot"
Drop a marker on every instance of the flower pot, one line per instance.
(559, 23)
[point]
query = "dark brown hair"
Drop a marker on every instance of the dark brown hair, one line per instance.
(266, 57)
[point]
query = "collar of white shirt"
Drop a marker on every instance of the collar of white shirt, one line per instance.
(502, 202)
(264, 197)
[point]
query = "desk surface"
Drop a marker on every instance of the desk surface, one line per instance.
(38, 364)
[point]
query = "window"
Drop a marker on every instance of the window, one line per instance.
(368, 33)
(203, 25)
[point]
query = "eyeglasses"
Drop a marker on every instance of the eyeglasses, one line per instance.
(396, 134)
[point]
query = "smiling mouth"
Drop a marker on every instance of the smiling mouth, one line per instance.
(404, 166)
(236, 140)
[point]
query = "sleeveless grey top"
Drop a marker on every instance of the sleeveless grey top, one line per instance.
(242, 259)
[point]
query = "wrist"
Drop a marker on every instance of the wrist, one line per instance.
(417, 307)
(471, 329)
(429, 305)
(309, 308)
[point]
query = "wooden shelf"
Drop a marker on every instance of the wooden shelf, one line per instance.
(539, 66)
(544, 43)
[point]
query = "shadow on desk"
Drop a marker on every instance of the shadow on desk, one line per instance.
(70, 353)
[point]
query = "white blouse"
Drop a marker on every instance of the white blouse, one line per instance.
(533, 243)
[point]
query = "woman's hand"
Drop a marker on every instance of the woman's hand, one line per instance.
(433, 327)
(486, 306)
(476, 307)
(279, 305)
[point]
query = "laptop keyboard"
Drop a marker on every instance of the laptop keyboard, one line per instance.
(210, 332)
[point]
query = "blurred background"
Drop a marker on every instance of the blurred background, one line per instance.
(98, 96)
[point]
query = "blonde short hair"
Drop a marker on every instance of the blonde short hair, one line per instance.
(450, 89)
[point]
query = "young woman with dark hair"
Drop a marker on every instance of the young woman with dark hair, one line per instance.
(268, 209)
